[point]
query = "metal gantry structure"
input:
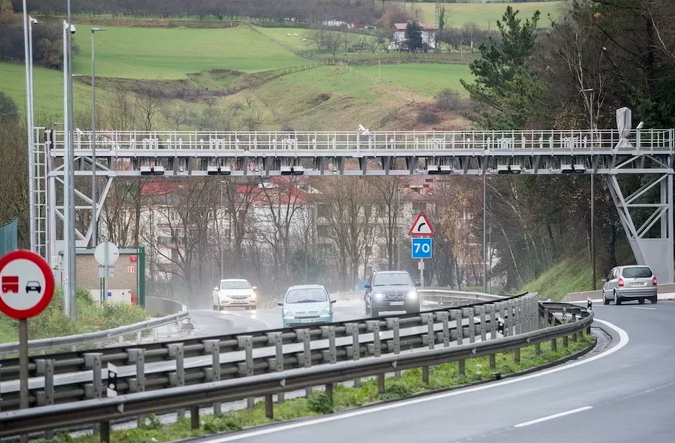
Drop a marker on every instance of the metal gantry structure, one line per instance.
(646, 213)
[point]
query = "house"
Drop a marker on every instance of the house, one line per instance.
(398, 42)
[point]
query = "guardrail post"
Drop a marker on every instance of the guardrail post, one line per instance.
(574, 319)
(45, 368)
(105, 432)
(276, 339)
(353, 329)
(178, 379)
(546, 322)
(459, 324)
(194, 417)
(516, 356)
(472, 324)
(443, 317)
(493, 322)
(554, 345)
(246, 342)
(502, 309)
(303, 336)
(374, 327)
(483, 328)
(429, 320)
(329, 331)
(92, 360)
(519, 316)
(137, 356)
(269, 406)
(213, 347)
(393, 325)
(537, 349)
(329, 394)
(138, 337)
(566, 342)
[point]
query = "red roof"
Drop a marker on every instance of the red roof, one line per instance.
(162, 187)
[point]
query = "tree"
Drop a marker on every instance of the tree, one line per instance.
(8, 109)
(413, 37)
(502, 83)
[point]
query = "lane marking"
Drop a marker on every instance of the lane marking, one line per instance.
(551, 417)
(646, 309)
(623, 341)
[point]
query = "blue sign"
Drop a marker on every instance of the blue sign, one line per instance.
(421, 247)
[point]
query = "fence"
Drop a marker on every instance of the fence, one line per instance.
(8, 237)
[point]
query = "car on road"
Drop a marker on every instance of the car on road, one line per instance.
(625, 283)
(306, 304)
(33, 286)
(391, 291)
(236, 293)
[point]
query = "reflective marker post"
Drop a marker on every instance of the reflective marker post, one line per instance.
(23, 363)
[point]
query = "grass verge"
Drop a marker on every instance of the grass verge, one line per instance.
(90, 318)
(563, 278)
(445, 376)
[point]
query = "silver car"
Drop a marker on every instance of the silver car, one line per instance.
(626, 283)
(233, 292)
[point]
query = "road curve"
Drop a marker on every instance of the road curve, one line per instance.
(624, 394)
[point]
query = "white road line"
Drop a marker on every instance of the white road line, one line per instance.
(623, 341)
(551, 417)
(646, 309)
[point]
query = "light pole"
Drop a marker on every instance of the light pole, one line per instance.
(590, 122)
(69, 252)
(94, 199)
(28, 23)
(485, 270)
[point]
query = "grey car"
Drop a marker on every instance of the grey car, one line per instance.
(626, 283)
(391, 291)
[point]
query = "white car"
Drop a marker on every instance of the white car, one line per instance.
(234, 293)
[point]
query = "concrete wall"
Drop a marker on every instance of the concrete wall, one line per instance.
(158, 305)
(125, 279)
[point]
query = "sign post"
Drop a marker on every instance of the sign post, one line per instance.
(421, 232)
(106, 254)
(27, 289)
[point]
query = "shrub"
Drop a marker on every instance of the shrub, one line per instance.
(449, 100)
(319, 403)
(396, 391)
(222, 423)
(427, 118)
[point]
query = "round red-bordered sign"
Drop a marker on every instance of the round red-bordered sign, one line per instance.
(26, 284)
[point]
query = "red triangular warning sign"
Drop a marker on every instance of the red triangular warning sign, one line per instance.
(421, 226)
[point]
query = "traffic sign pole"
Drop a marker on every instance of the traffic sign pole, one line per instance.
(23, 363)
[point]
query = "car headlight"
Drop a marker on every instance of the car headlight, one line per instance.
(379, 296)
(253, 294)
(326, 311)
(412, 294)
(288, 313)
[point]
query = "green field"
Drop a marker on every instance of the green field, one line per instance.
(48, 89)
(424, 78)
(155, 53)
(485, 14)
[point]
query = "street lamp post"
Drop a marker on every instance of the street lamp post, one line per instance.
(28, 60)
(592, 127)
(94, 198)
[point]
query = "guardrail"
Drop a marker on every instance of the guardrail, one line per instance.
(95, 337)
(76, 376)
(159, 305)
(452, 297)
(104, 410)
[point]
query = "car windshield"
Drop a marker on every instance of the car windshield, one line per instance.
(637, 272)
(306, 295)
(235, 284)
(392, 280)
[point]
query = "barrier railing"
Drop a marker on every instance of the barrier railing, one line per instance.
(76, 376)
(280, 379)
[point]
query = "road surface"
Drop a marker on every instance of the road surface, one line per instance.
(624, 394)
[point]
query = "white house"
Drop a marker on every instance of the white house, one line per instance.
(399, 41)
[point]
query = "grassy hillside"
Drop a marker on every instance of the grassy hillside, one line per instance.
(155, 53)
(563, 278)
(485, 14)
(48, 89)
(424, 78)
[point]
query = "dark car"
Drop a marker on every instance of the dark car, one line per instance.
(391, 291)
(33, 286)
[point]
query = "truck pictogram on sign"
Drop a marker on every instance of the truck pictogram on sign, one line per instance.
(10, 283)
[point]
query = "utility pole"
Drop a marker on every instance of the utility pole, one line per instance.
(94, 198)
(592, 127)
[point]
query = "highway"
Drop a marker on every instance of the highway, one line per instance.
(623, 394)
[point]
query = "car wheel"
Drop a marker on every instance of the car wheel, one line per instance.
(654, 300)
(617, 299)
(215, 307)
(604, 298)
(374, 312)
(366, 308)
(253, 308)
(641, 301)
